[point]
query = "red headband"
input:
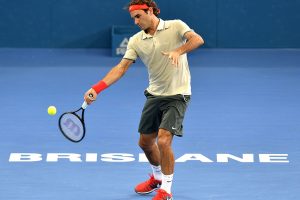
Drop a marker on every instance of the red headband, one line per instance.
(138, 7)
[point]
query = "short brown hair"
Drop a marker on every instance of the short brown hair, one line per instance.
(149, 3)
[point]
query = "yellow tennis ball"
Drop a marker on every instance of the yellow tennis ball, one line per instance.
(51, 110)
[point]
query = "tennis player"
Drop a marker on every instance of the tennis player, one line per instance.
(163, 47)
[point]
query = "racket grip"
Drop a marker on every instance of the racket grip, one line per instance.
(84, 105)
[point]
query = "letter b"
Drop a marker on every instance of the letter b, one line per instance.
(25, 157)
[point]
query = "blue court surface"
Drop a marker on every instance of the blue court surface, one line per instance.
(242, 128)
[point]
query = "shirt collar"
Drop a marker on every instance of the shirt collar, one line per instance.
(161, 26)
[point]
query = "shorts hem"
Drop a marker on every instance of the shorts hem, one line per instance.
(172, 131)
(148, 132)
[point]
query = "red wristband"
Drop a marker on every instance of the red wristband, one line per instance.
(101, 85)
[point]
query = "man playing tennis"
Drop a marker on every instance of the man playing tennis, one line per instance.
(163, 47)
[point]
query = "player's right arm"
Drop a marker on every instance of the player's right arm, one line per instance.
(111, 77)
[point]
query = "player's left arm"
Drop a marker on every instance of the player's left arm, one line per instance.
(193, 41)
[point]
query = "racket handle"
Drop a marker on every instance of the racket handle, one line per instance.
(84, 105)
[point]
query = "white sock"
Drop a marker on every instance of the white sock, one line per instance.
(167, 183)
(157, 172)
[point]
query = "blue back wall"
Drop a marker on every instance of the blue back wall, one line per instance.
(87, 23)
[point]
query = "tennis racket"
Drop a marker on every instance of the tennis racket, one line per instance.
(72, 125)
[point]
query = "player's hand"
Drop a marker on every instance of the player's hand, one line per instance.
(172, 55)
(90, 96)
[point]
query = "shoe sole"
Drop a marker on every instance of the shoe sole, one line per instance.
(144, 193)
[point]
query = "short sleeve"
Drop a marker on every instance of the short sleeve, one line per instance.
(130, 51)
(182, 27)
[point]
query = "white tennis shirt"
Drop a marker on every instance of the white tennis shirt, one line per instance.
(165, 79)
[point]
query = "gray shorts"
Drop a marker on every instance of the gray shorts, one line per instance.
(165, 112)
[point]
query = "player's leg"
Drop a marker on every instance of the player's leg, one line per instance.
(148, 128)
(167, 161)
(171, 124)
(147, 142)
(164, 142)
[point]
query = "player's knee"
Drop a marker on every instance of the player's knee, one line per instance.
(163, 143)
(142, 144)
(164, 140)
(145, 144)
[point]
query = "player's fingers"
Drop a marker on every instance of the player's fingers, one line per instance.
(86, 98)
(91, 97)
(164, 53)
(175, 61)
(89, 100)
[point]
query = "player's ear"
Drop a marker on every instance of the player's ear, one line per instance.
(150, 11)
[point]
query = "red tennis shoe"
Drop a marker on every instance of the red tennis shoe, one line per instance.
(148, 186)
(162, 195)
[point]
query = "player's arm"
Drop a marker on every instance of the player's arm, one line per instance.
(193, 41)
(111, 77)
(117, 72)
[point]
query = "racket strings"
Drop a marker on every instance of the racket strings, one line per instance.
(72, 126)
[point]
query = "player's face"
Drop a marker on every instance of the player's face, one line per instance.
(141, 18)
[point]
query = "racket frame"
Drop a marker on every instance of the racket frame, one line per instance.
(81, 119)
